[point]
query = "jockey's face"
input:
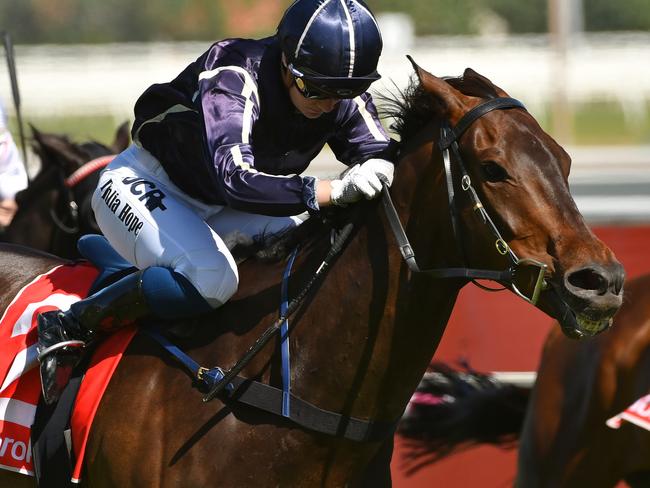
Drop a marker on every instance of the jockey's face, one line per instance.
(310, 108)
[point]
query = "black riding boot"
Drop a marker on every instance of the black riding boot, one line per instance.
(62, 336)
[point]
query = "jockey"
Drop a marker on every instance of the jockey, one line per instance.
(13, 177)
(220, 149)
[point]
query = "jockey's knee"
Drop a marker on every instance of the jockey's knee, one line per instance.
(213, 274)
(170, 295)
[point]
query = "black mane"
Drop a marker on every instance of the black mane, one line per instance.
(277, 246)
(411, 109)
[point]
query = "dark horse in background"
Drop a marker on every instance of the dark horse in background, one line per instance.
(561, 422)
(364, 335)
(52, 213)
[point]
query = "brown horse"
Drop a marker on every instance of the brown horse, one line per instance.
(561, 422)
(364, 334)
(52, 215)
(565, 441)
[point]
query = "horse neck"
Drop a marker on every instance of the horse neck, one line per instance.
(375, 322)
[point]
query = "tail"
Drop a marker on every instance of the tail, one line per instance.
(454, 409)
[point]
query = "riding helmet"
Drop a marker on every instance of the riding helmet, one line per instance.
(332, 45)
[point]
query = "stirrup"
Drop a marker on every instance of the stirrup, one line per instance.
(60, 345)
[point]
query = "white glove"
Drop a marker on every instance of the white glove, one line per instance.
(362, 181)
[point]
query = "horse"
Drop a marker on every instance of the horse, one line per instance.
(365, 318)
(54, 210)
(564, 440)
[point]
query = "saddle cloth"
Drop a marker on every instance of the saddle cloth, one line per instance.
(21, 389)
(638, 414)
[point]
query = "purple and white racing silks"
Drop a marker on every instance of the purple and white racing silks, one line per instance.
(226, 132)
(219, 150)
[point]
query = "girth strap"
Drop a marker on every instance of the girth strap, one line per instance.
(270, 399)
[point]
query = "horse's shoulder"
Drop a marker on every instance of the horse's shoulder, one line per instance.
(26, 260)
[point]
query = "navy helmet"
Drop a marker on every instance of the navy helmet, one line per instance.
(331, 46)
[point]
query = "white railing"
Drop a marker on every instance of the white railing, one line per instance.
(108, 78)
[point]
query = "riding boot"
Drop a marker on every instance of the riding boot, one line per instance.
(62, 336)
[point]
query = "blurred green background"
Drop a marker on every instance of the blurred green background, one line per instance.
(93, 21)
(36, 22)
(594, 124)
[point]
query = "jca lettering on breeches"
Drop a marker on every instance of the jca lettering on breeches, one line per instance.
(151, 222)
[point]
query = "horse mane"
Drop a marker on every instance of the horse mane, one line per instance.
(413, 108)
(274, 247)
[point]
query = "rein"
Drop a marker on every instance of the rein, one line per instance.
(336, 248)
(518, 267)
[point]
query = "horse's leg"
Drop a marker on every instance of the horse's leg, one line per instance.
(377, 473)
(16, 480)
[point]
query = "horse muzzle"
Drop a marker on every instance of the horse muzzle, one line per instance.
(586, 300)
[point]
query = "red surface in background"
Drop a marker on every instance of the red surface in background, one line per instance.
(499, 332)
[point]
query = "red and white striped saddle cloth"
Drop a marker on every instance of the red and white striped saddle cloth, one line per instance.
(638, 414)
(19, 378)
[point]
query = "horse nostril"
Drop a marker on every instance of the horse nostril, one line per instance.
(590, 279)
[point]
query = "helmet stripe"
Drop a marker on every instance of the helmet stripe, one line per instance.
(351, 32)
(311, 21)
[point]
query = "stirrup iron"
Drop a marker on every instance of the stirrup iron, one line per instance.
(60, 345)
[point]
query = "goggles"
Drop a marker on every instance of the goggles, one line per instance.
(309, 92)
(320, 91)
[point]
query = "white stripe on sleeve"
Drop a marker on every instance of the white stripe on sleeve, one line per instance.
(249, 88)
(370, 121)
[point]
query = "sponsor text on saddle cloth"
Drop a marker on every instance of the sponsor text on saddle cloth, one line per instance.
(20, 390)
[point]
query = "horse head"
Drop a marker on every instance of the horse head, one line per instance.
(52, 213)
(510, 191)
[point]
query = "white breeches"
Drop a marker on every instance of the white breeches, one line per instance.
(151, 222)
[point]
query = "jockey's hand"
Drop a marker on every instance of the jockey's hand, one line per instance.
(362, 181)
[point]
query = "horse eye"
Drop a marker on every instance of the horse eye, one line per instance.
(493, 172)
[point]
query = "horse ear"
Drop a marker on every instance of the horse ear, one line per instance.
(474, 84)
(57, 149)
(122, 138)
(38, 145)
(448, 98)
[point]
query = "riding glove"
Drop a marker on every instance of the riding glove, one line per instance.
(362, 181)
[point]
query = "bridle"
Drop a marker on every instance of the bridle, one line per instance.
(67, 185)
(521, 271)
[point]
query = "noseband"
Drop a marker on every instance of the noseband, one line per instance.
(519, 269)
